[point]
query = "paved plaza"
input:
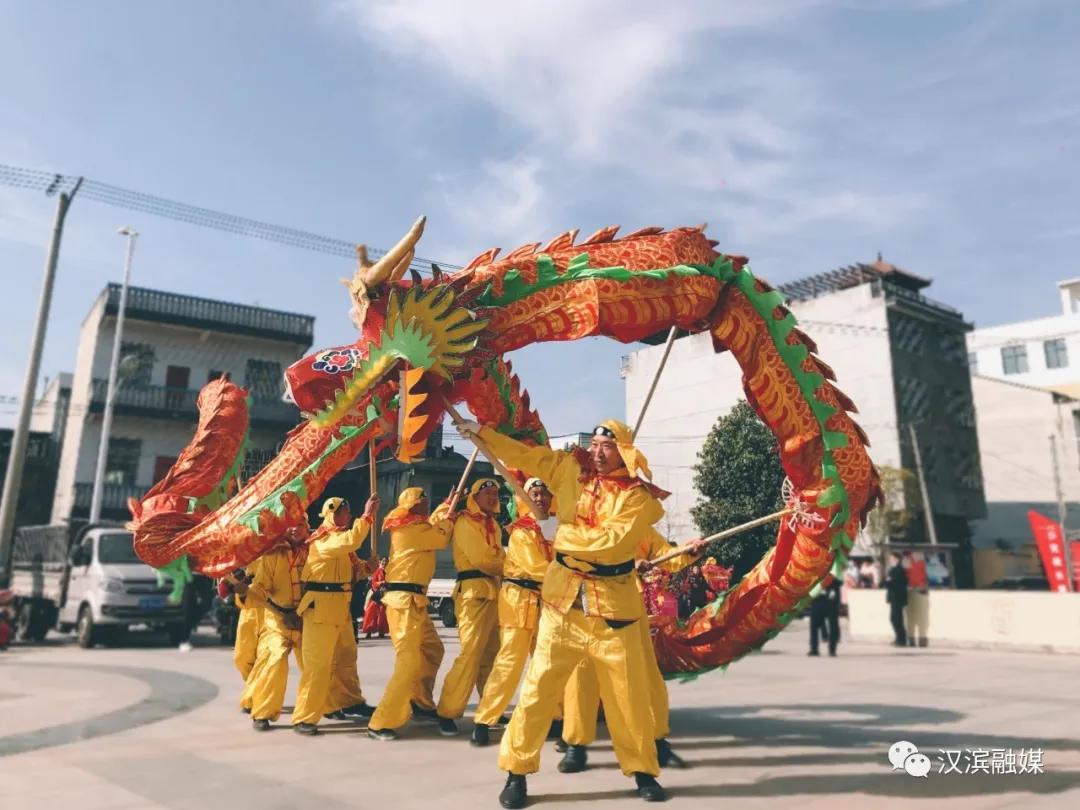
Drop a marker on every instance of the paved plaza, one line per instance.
(152, 727)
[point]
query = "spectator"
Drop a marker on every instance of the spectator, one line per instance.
(896, 594)
(825, 618)
(918, 606)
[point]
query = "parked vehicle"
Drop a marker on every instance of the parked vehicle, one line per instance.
(92, 583)
(1020, 583)
(440, 600)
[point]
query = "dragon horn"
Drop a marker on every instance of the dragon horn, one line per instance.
(381, 271)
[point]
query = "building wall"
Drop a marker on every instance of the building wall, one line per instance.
(699, 386)
(985, 345)
(202, 351)
(1015, 424)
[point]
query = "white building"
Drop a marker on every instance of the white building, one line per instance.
(1017, 425)
(898, 355)
(1042, 352)
(172, 345)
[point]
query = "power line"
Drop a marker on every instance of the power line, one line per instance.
(53, 183)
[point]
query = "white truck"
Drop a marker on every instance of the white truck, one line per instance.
(92, 583)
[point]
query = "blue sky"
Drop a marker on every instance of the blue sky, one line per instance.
(808, 134)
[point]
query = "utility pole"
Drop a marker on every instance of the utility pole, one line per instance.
(1062, 510)
(19, 440)
(930, 528)
(110, 392)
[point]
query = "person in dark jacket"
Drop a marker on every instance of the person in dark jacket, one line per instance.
(896, 594)
(825, 618)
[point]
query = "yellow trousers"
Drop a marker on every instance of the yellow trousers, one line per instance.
(418, 652)
(247, 639)
(515, 644)
(582, 698)
(329, 680)
(563, 642)
(265, 689)
(477, 620)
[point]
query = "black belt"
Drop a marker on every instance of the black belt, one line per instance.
(278, 607)
(408, 587)
(528, 584)
(597, 570)
(327, 587)
(472, 574)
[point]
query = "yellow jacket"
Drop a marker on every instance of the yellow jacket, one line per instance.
(477, 546)
(328, 561)
(412, 558)
(277, 578)
(528, 555)
(603, 520)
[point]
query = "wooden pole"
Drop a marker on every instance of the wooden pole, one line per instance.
(373, 486)
(655, 380)
(464, 477)
(734, 530)
(481, 445)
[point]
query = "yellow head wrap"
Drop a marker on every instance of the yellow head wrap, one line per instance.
(633, 458)
(409, 497)
(471, 504)
(329, 507)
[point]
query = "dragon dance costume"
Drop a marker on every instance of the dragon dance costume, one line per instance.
(478, 558)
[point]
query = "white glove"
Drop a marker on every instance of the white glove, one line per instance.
(467, 428)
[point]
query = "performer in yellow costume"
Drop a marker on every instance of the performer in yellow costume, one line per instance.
(478, 558)
(528, 554)
(329, 681)
(276, 589)
(248, 627)
(582, 698)
(591, 601)
(414, 540)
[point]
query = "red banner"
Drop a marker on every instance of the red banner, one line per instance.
(1074, 555)
(1051, 545)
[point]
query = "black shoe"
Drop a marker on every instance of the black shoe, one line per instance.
(832, 653)
(383, 734)
(480, 736)
(561, 745)
(575, 760)
(420, 714)
(447, 727)
(245, 709)
(504, 720)
(260, 725)
(666, 756)
(649, 789)
(555, 732)
(309, 729)
(358, 710)
(515, 793)
(814, 653)
(338, 715)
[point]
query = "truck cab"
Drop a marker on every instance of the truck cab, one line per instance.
(109, 589)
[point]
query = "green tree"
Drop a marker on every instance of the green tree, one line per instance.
(739, 477)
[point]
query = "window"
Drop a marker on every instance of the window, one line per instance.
(1057, 356)
(973, 362)
(263, 380)
(136, 364)
(122, 463)
(1014, 359)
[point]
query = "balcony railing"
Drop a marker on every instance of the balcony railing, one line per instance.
(114, 497)
(206, 313)
(158, 401)
(893, 292)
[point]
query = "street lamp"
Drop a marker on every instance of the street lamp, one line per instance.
(110, 391)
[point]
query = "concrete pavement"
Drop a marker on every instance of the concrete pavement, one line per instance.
(149, 727)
